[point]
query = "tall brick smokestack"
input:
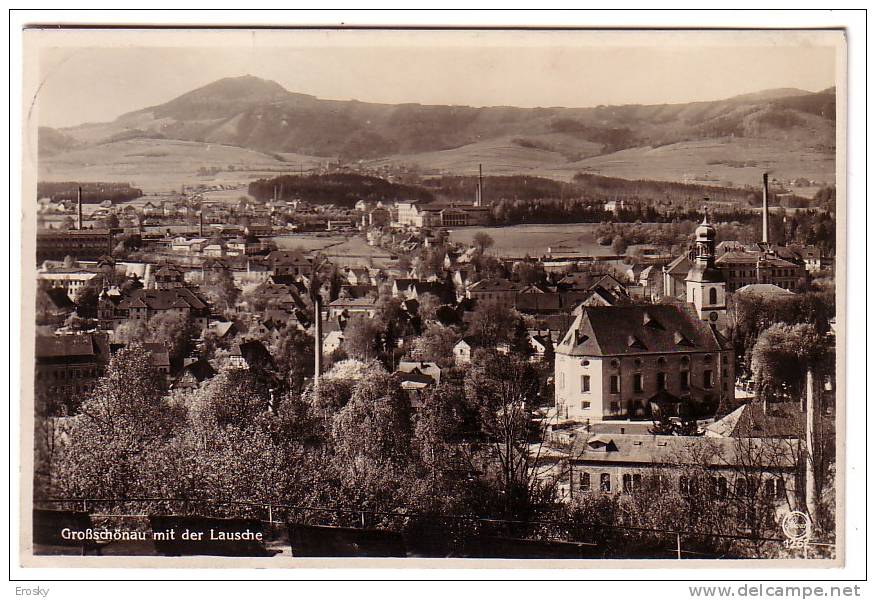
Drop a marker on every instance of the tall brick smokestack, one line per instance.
(79, 207)
(766, 209)
(480, 184)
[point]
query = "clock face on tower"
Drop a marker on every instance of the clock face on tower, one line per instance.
(713, 316)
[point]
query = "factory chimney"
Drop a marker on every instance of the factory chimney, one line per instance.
(766, 209)
(480, 184)
(79, 207)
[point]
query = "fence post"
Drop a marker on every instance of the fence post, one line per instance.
(363, 519)
(270, 514)
(678, 544)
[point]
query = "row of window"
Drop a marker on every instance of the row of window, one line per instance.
(614, 381)
(716, 486)
(74, 374)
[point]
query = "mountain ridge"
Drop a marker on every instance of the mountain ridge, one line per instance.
(261, 115)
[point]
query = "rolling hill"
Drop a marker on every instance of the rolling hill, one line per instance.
(787, 131)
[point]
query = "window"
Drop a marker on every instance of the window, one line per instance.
(628, 483)
(769, 489)
(637, 482)
(585, 383)
(685, 360)
(719, 487)
(637, 382)
(683, 487)
(584, 482)
(661, 381)
(614, 384)
(780, 488)
(741, 487)
(605, 482)
(615, 364)
(661, 362)
(614, 407)
(713, 296)
(585, 406)
(707, 378)
(685, 380)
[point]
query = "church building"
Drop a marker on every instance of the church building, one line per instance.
(638, 361)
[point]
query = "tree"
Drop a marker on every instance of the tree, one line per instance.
(482, 241)
(294, 358)
(492, 322)
(435, 344)
(220, 289)
(529, 273)
(782, 355)
(124, 417)
(363, 339)
(175, 331)
(504, 388)
(235, 397)
(427, 307)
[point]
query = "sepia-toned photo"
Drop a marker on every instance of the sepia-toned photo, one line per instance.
(573, 296)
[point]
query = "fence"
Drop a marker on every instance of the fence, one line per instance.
(457, 532)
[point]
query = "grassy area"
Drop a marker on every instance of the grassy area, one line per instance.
(534, 240)
(159, 166)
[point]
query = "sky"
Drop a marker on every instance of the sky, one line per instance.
(89, 77)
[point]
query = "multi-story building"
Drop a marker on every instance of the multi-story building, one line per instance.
(636, 361)
(67, 368)
(623, 362)
(143, 304)
(500, 291)
(721, 467)
(78, 243)
(71, 280)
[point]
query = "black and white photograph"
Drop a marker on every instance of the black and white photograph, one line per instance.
(547, 297)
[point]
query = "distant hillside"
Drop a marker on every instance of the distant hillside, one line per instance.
(791, 126)
(51, 141)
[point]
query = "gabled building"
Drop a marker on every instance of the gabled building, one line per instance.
(141, 305)
(629, 362)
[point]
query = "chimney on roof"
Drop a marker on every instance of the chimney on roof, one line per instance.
(79, 207)
(766, 209)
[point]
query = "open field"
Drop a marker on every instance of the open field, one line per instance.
(534, 240)
(160, 166)
(730, 162)
(341, 250)
(508, 155)
(309, 242)
(690, 162)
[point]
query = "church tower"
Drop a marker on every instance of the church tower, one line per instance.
(706, 289)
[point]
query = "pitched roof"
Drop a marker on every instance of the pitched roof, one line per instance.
(181, 297)
(494, 285)
(749, 421)
(764, 289)
(679, 266)
(711, 451)
(635, 329)
(737, 257)
(70, 346)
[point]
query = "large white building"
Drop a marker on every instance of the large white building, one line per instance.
(634, 361)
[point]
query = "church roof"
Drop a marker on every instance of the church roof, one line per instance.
(638, 329)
